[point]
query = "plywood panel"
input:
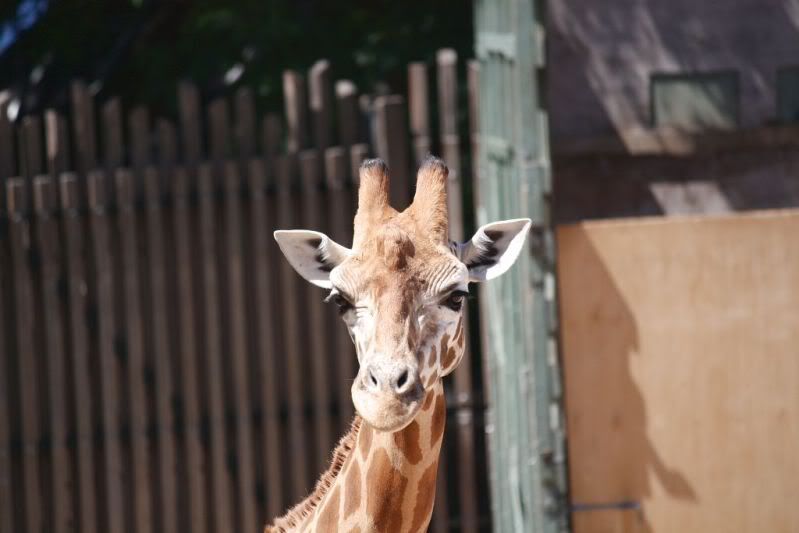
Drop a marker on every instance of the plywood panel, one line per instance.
(681, 362)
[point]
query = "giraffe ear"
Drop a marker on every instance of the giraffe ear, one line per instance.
(494, 248)
(312, 254)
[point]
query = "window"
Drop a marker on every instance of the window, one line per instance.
(788, 94)
(695, 102)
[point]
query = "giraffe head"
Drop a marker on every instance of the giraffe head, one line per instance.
(401, 288)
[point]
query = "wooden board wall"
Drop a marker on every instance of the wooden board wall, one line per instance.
(681, 364)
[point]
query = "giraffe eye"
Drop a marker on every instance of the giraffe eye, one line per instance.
(455, 300)
(343, 304)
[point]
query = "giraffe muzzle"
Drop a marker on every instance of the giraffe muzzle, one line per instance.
(388, 395)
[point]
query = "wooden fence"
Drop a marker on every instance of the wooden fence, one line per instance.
(161, 366)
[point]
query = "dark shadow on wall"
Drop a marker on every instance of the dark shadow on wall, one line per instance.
(610, 186)
(612, 461)
(601, 57)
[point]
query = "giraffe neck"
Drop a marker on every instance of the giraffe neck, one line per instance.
(377, 481)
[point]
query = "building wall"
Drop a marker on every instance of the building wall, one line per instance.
(601, 56)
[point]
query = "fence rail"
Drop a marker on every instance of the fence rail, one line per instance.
(161, 366)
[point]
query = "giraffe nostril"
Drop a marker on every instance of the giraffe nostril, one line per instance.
(372, 379)
(402, 379)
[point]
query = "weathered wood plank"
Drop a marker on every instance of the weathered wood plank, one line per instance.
(7, 481)
(56, 143)
(392, 146)
(159, 327)
(132, 326)
(83, 129)
(112, 136)
(272, 135)
(195, 467)
(104, 315)
(296, 110)
(234, 259)
(321, 104)
(263, 246)
(78, 307)
(47, 242)
(30, 146)
(419, 110)
(214, 388)
(139, 134)
(29, 402)
(349, 113)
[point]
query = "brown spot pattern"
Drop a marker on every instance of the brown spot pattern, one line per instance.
(352, 490)
(449, 359)
(437, 423)
(407, 441)
(365, 440)
(425, 495)
(356, 529)
(431, 380)
(444, 344)
(386, 493)
(328, 520)
(428, 401)
(433, 354)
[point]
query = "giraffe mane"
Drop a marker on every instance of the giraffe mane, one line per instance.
(297, 514)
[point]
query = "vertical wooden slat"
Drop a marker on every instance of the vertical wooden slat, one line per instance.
(245, 124)
(296, 110)
(166, 508)
(214, 388)
(447, 64)
(7, 511)
(83, 129)
(7, 482)
(7, 158)
(139, 125)
(450, 141)
(313, 214)
(190, 126)
(167, 144)
(56, 143)
(262, 244)
(133, 327)
(30, 146)
(189, 355)
(339, 220)
(77, 296)
(419, 110)
(290, 327)
(112, 137)
(108, 362)
(473, 83)
(321, 104)
(349, 115)
(20, 239)
(392, 146)
(272, 135)
(60, 479)
(234, 256)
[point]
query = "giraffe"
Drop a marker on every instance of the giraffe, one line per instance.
(400, 290)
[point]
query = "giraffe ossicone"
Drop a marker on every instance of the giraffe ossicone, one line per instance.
(400, 290)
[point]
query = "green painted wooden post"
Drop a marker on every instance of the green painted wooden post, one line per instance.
(525, 430)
